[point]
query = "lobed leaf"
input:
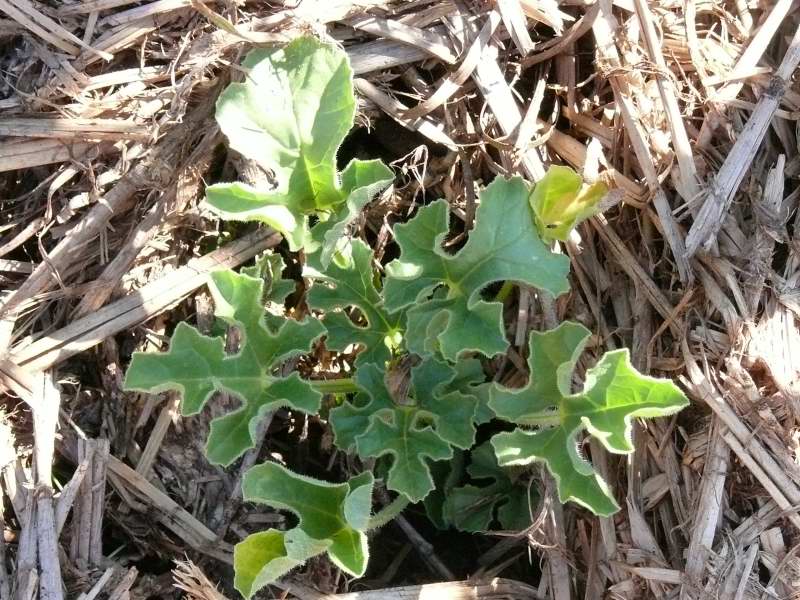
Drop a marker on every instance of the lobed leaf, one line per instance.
(290, 115)
(448, 313)
(269, 268)
(352, 419)
(197, 365)
(451, 410)
(332, 517)
(613, 394)
(346, 283)
(401, 433)
(435, 418)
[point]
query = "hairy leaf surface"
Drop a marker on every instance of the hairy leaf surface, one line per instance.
(332, 518)
(197, 365)
(349, 285)
(434, 418)
(445, 289)
(290, 115)
(613, 394)
(401, 433)
(263, 557)
(362, 180)
(352, 419)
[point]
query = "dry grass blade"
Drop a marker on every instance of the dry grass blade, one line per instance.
(428, 41)
(453, 83)
(726, 182)
(25, 13)
(190, 579)
(497, 589)
(138, 306)
(87, 129)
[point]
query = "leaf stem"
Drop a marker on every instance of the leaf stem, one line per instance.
(334, 386)
(388, 512)
(545, 418)
(505, 291)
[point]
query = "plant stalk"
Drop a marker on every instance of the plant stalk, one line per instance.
(334, 386)
(541, 419)
(388, 512)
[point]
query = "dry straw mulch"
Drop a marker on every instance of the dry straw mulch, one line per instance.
(687, 108)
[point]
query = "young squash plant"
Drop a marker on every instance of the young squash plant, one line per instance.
(290, 115)
(430, 315)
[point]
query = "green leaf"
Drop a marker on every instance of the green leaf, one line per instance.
(266, 556)
(332, 518)
(290, 115)
(350, 420)
(242, 202)
(269, 268)
(452, 412)
(614, 393)
(362, 180)
(503, 246)
(470, 380)
(197, 365)
(561, 201)
(475, 507)
(425, 426)
(446, 475)
(333, 514)
(349, 285)
(401, 433)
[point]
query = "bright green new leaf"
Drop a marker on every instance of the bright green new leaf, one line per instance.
(332, 518)
(503, 246)
(239, 201)
(197, 365)
(475, 507)
(264, 557)
(290, 115)
(353, 285)
(614, 393)
(561, 201)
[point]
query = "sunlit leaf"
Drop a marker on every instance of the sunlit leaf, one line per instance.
(264, 557)
(561, 200)
(332, 518)
(197, 365)
(614, 393)
(290, 115)
(504, 245)
(362, 180)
